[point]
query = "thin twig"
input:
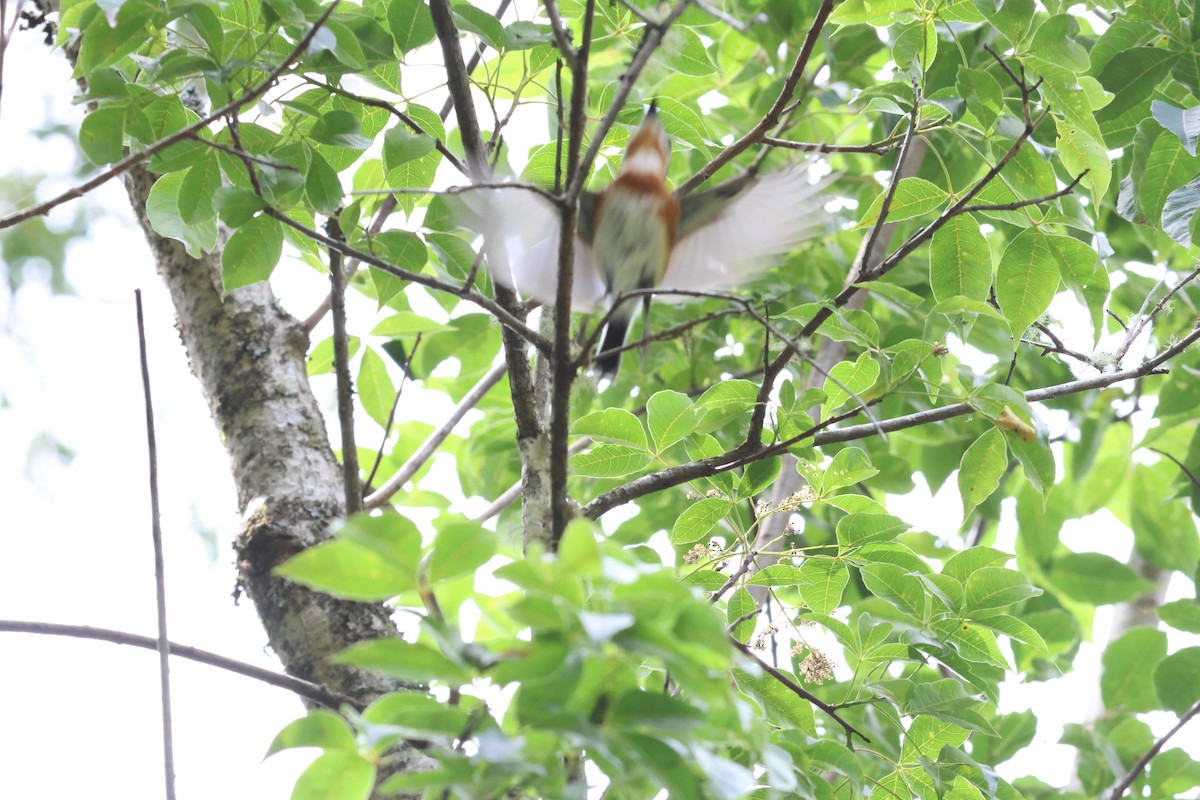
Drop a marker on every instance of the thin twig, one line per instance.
(733, 22)
(1144, 761)
(341, 368)
(886, 207)
(435, 439)
(301, 688)
(186, 132)
(742, 569)
(160, 578)
(772, 117)
(800, 691)
(1191, 475)
(503, 314)
(646, 47)
(387, 428)
(822, 434)
(562, 37)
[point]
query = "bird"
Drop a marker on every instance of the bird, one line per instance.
(636, 234)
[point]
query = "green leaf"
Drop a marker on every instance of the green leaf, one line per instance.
(612, 425)
(1181, 205)
(757, 476)
(1026, 280)
(162, 210)
(848, 467)
(1014, 628)
(1132, 75)
(322, 185)
(848, 382)
(375, 387)
(960, 264)
(339, 128)
(1177, 679)
(372, 559)
(1096, 579)
(480, 22)
(1184, 123)
(320, 728)
(982, 467)
(855, 530)
(685, 52)
(403, 660)
(336, 775)
(741, 604)
(236, 206)
(1183, 615)
(411, 23)
(1127, 681)
(251, 253)
(199, 188)
(401, 146)
(523, 35)
(698, 519)
(780, 704)
(777, 575)
(824, 581)
(101, 134)
(670, 417)
(915, 197)
(893, 584)
(609, 461)
(963, 564)
(996, 587)
(460, 548)
(683, 123)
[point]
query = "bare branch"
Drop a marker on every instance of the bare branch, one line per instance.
(800, 691)
(821, 434)
(562, 37)
(1141, 764)
(341, 368)
(435, 439)
(160, 580)
(510, 320)
(387, 428)
(772, 117)
(893, 184)
(302, 688)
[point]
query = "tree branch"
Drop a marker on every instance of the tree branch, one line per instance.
(417, 460)
(306, 689)
(800, 691)
(1137, 769)
(772, 117)
(341, 368)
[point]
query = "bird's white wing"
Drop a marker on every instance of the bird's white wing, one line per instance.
(728, 234)
(528, 226)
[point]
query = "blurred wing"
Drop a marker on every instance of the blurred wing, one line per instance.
(728, 233)
(528, 226)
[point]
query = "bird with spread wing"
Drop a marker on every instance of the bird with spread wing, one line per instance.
(636, 234)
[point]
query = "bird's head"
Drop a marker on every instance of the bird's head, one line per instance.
(649, 148)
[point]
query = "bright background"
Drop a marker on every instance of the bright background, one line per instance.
(83, 717)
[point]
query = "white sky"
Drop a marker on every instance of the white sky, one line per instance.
(83, 717)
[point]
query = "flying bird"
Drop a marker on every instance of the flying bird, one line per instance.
(636, 234)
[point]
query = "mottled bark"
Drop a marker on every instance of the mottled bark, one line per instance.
(249, 357)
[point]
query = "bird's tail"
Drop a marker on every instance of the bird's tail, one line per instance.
(614, 336)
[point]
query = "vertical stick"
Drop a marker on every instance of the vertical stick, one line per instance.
(341, 362)
(160, 581)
